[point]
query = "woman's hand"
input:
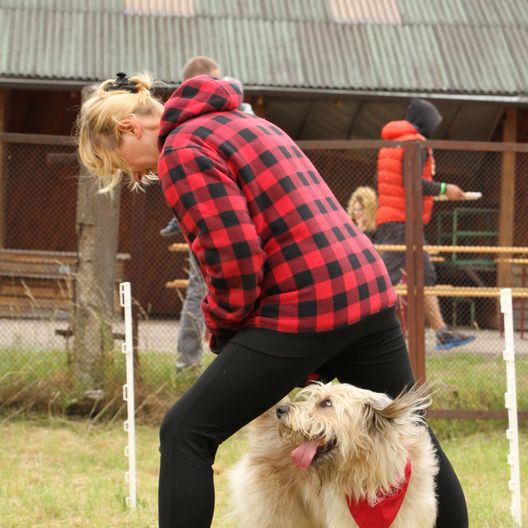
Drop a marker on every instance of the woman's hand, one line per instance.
(454, 192)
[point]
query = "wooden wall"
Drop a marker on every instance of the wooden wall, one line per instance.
(41, 197)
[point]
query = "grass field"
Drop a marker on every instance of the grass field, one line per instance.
(31, 379)
(59, 473)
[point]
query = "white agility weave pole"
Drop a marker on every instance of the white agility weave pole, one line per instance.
(510, 397)
(128, 394)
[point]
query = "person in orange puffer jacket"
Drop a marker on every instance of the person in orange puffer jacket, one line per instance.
(421, 120)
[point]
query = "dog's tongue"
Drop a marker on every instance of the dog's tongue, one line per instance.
(303, 455)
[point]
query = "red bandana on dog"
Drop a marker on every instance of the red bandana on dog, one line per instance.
(381, 514)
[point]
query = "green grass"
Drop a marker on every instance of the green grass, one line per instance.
(58, 473)
(471, 381)
(30, 379)
(43, 380)
(480, 460)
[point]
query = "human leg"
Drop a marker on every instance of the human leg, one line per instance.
(239, 385)
(446, 338)
(191, 320)
(433, 313)
(380, 362)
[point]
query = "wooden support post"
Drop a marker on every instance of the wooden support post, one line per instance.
(97, 227)
(414, 259)
(507, 198)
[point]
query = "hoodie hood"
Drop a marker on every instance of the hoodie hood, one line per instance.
(198, 96)
(424, 116)
(394, 130)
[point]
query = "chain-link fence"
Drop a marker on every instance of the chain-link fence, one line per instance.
(39, 266)
(475, 245)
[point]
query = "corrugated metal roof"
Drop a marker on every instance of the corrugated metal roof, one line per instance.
(465, 12)
(430, 46)
(472, 12)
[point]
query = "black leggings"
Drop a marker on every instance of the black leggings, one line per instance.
(242, 383)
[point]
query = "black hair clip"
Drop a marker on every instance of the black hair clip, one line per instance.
(121, 83)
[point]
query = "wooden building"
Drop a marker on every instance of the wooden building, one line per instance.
(323, 70)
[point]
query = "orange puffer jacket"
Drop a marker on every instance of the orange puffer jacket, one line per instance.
(391, 191)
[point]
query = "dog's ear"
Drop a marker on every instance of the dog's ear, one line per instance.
(409, 403)
(378, 410)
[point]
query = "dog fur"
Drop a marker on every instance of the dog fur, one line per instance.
(365, 439)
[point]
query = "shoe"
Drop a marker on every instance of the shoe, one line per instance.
(181, 366)
(447, 339)
(171, 229)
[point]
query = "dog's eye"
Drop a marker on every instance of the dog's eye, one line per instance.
(326, 403)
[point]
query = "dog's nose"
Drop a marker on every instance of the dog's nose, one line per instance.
(281, 410)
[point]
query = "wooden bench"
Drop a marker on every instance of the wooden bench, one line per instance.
(38, 283)
(178, 284)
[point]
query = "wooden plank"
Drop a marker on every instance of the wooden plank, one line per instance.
(47, 255)
(177, 284)
(37, 254)
(27, 303)
(446, 290)
(457, 249)
(37, 264)
(36, 258)
(36, 139)
(45, 300)
(27, 272)
(43, 290)
(178, 247)
(47, 264)
(38, 283)
(35, 269)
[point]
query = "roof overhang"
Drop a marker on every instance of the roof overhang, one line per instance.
(317, 93)
(287, 91)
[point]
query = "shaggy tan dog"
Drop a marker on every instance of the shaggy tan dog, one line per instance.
(338, 457)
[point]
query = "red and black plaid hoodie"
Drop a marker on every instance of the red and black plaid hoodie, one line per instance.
(276, 249)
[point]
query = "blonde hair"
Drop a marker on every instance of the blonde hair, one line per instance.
(200, 65)
(367, 198)
(97, 132)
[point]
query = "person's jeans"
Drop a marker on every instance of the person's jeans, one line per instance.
(192, 324)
